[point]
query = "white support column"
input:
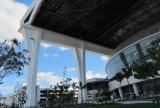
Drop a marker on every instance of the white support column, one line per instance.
(35, 10)
(78, 63)
(32, 54)
(120, 93)
(135, 87)
(114, 93)
(29, 55)
(83, 63)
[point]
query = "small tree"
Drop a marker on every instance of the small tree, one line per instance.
(154, 55)
(60, 95)
(12, 59)
(74, 88)
(103, 93)
(19, 98)
(119, 77)
(146, 71)
(140, 74)
(151, 72)
(64, 95)
(81, 87)
(47, 94)
(154, 51)
(127, 75)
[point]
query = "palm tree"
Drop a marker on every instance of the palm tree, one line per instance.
(74, 88)
(127, 74)
(119, 77)
(81, 87)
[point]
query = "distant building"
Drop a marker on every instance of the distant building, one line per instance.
(92, 84)
(39, 94)
(8, 98)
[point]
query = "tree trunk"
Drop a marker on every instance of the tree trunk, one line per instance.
(122, 92)
(143, 88)
(151, 92)
(129, 89)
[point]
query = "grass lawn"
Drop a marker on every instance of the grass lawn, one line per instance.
(140, 105)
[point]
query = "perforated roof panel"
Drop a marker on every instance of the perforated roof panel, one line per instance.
(103, 22)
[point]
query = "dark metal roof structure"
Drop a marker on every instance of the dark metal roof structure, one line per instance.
(104, 22)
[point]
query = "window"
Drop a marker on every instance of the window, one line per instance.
(156, 30)
(134, 56)
(152, 31)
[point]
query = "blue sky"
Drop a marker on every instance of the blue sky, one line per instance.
(52, 59)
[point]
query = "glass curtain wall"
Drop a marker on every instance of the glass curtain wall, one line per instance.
(134, 54)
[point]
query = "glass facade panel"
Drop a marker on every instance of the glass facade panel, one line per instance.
(93, 86)
(134, 54)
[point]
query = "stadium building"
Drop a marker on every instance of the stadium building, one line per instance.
(121, 30)
(130, 52)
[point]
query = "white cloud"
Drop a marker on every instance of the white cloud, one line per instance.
(97, 75)
(55, 55)
(89, 75)
(46, 45)
(63, 49)
(19, 79)
(46, 54)
(11, 14)
(74, 80)
(6, 88)
(104, 58)
(50, 78)
(104, 75)
(71, 69)
(41, 85)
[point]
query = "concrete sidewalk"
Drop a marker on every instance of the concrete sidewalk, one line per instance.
(135, 102)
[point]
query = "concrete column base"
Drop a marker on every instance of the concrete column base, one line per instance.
(135, 87)
(120, 93)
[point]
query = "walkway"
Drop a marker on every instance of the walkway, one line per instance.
(138, 101)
